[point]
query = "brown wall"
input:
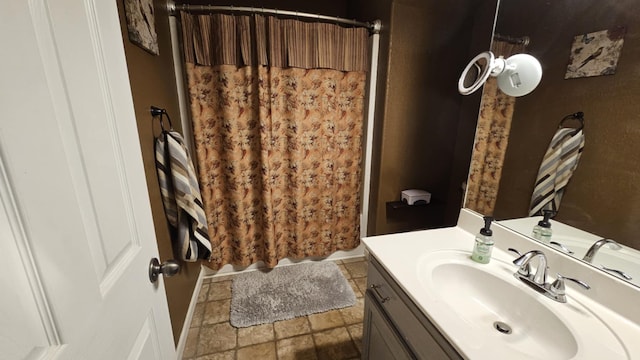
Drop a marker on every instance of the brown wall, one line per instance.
(603, 196)
(481, 33)
(369, 10)
(153, 83)
(429, 44)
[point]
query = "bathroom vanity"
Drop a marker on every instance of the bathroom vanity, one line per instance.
(426, 299)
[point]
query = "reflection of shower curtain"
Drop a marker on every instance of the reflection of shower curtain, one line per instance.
(492, 137)
(277, 110)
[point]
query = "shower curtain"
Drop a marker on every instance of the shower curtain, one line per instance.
(277, 111)
(492, 138)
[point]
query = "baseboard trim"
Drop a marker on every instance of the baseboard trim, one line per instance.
(182, 342)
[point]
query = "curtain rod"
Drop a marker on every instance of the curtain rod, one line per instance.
(374, 27)
(513, 40)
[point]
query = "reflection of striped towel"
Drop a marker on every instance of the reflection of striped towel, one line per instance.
(181, 197)
(556, 169)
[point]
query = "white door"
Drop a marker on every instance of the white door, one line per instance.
(75, 222)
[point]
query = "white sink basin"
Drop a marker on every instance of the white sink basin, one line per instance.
(489, 309)
(483, 299)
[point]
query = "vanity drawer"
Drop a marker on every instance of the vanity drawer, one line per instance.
(424, 340)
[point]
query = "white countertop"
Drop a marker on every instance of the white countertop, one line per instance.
(613, 302)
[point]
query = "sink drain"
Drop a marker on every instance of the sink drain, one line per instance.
(502, 327)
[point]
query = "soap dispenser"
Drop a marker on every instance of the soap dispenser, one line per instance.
(484, 243)
(542, 231)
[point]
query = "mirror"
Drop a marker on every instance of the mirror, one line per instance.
(603, 196)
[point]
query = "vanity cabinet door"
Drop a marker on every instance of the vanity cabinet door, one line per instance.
(381, 341)
(420, 336)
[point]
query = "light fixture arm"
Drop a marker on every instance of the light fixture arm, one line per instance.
(498, 66)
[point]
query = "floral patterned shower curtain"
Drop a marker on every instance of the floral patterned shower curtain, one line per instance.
(277, 111)
(492, 138)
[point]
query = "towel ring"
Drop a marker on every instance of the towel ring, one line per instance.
(156, 111)
(575, 116)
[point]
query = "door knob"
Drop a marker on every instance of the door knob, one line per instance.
(168, 269)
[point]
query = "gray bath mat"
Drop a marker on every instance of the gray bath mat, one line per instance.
(287, 292)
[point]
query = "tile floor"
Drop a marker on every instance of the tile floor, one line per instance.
(333, 335)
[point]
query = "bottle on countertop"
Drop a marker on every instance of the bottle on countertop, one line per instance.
(542, 231)
(484, 243)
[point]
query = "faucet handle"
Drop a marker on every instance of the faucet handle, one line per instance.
(557, 287)
(515, 251)
(579, 282)
(620, 273)
(562, 247)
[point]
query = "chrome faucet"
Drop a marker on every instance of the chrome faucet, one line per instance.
(538, 280)
(593, 250)
(588, 257)
(540, 276)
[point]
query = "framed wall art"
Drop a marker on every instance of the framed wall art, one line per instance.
(141, 24)
(596, 53)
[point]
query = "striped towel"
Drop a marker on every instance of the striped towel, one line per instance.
(181, 197)
(558, 164)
